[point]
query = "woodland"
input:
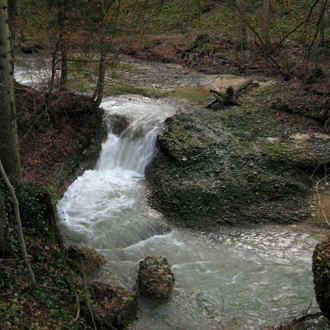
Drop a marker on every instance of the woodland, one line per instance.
(43, 132)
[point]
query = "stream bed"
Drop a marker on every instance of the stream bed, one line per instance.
(232, 278)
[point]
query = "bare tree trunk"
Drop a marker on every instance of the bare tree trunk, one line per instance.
(12, 12)
(243, 31)
(266, 18)
(8, 127)
(322, 22)
(99, 90)
(63, 44)
(64, 67)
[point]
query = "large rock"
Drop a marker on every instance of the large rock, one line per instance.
(155, 278)
(110, 307)
(321, 272)
(243, 164)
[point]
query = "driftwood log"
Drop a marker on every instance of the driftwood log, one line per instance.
(230, 96)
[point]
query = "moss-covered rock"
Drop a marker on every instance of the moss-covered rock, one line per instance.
(321, 272)
(109, 307)
(38, 213)
(243, 164)
(155, 278)
(84, 259)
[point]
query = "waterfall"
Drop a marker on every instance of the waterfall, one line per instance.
(103, 207)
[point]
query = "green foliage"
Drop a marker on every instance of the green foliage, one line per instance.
(123, 88)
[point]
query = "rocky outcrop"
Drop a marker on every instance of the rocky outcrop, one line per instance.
(109, 307)
(243, 164)
(155, 278)
(84, 259)
(321, 273)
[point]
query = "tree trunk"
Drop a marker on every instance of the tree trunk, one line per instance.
(12, 12)
(99, 90)
(8, 128)
(266, 17)
(323, 22)
(241, 22)
(63, 44)
(64, 67)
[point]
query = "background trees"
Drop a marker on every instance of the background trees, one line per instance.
(66, 30)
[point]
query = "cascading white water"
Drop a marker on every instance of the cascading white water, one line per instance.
(232, 279)
(102, 207)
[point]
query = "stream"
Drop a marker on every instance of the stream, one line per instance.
(232, 278)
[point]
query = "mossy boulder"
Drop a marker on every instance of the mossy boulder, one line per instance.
(155, 278)
(38, 214)
(84, 259)
(321, 273)
(110, 307)
(242, 164)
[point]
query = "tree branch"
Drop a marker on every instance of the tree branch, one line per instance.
(18, 222)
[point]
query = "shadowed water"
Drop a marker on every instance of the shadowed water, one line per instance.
(242, 278)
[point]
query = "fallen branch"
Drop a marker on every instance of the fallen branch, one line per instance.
(18, 223)
(229, 98)
(291, 325)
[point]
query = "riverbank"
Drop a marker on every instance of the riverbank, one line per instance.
(56, 144)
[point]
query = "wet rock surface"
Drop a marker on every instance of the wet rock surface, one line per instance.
(155, 278)
(244, 164)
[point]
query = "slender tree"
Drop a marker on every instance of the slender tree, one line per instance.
(265, 22)
(8, 128)
(107, 15)
(242, 27)
(12, 12)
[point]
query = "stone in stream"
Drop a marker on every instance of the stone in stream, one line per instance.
(321, 272)
(155, 278)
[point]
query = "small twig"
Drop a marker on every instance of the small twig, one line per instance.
(89, 306)
(78, 308)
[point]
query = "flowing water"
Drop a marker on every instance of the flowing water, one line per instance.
(242, 278)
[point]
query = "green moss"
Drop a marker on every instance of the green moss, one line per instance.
(124, 88)
(219, 166)
(37, 212)
(197, 95)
